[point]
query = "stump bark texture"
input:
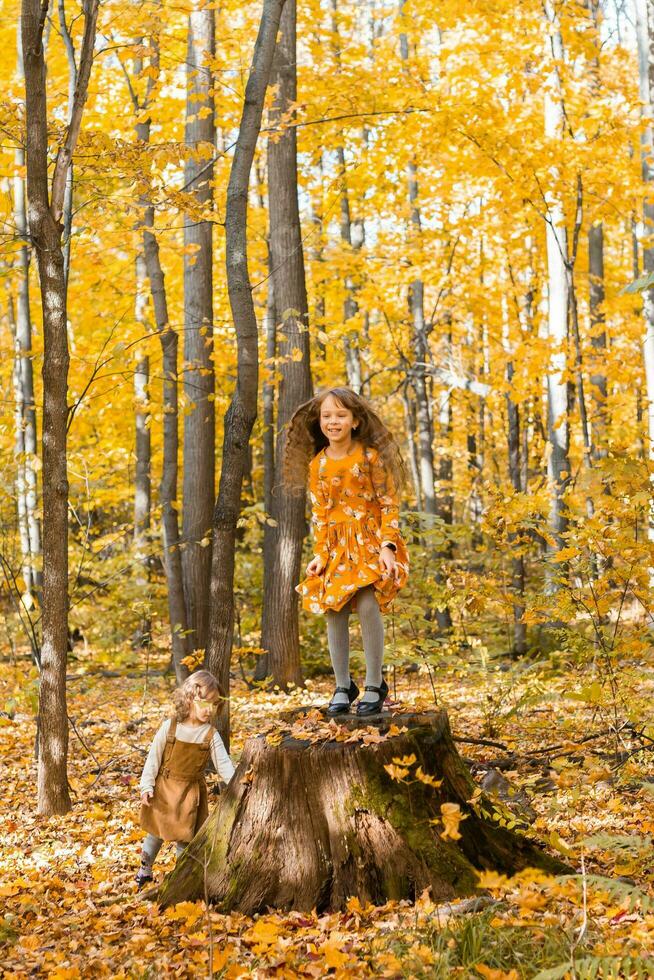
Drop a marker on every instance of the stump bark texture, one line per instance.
(308, 823)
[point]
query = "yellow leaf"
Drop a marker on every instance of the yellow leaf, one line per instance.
(428, 780)
(334, 956)
(264, 932)
(491, 974)
(97, 813)
(451, 816)
(565, 554)
(188, 912)
(396, 772)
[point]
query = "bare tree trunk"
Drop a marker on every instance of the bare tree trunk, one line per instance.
(19, 459)
(168, 485)
(558, 303)
(45, 211)
(64, 29)
(645, 26)
(199, 380)
(281, 634)
(25, 379)
(351, 345)
(142, 478)
(599, 388)
(513, 446)
(168, 338)
(444, 505)
(262, 668)
(242, 410)
(419, 339)
(317, 260)
(411, 428)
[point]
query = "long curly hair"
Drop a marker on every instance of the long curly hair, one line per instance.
(305, 438)
(198, 685)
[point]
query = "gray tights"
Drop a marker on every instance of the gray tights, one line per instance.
(152, 846)
(372, 633)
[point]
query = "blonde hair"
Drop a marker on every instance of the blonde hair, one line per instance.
(305, 437)
(197, 685)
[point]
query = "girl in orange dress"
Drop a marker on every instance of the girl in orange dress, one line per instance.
(360, 560)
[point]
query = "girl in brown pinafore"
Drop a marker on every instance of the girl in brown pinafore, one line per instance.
(173, 790)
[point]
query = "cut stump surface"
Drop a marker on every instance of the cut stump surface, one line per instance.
(312, 817)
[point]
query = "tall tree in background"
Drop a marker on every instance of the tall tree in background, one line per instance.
(142, 441)
(598, 382)
(353, 237)
(419, 331)
(26, 434)
(280, 632)
(519, 647)
(242, 410)
(172, 559)
(199, 384)
(45, 212)
(65, 31)
(558, 298)
(645, 23)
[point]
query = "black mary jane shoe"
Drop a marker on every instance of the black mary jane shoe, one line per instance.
(373, 707)
(143, 878)
(342, 709)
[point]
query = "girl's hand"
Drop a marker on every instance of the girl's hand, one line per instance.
(315, 566)
(146, 799)
(388, 565)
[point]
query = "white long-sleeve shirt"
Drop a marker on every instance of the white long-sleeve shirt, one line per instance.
(184, 733)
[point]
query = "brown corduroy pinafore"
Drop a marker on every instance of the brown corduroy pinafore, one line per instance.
(179, 803)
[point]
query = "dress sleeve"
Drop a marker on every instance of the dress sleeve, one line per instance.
(387, 497)
(154, 757)
(318, 514)
(221, 759)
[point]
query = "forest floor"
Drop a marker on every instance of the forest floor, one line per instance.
(70, 907)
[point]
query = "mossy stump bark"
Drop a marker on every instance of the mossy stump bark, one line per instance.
(307, 825)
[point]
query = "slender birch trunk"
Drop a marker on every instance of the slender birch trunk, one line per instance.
(168, 484)
(242, 410)
(19, 461)
(262, 668)
(199, 376)
(598, 338)
(558, 305)
(419, 333)
(352, 234)
(513, 446)
(72, 85)
(411, 426)
(169, 344)
(143, 452)
(31, 542)
(599, 388)
(645, 29)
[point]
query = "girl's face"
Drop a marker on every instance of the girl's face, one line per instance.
(203, 706)
(336, 421)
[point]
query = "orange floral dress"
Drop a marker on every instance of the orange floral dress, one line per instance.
(355, 512)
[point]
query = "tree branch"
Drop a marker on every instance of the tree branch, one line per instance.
(65, 154)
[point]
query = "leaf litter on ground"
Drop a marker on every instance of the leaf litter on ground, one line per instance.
(70, 906)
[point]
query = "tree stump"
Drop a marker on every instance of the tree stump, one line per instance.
(311, 819)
